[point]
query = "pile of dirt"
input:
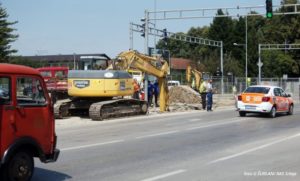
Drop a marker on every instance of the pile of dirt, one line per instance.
(183, 94)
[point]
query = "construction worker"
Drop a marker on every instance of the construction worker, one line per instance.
(150, 93)
(156, 92)
(203, 92)
(136, 89)
(209, 95)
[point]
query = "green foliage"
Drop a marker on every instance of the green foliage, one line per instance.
(281, 64)
(277, 30)
(6, 36)
(23, 61)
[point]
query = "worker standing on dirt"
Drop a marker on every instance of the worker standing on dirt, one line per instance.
(209, 95)
(203, 93)
(136, 88)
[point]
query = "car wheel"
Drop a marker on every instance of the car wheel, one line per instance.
(242, 113)
(19, 167)
(291, 110)
(272, 113)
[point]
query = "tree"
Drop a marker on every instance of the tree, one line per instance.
(19, 60)
(6, 36)
(276, 63)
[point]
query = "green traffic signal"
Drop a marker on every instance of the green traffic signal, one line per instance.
(269, 8)
(269, 15)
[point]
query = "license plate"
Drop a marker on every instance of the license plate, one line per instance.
(122, 85)
(250, 107)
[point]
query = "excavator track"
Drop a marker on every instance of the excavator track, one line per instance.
(61, 109)
(100, 110)
(117, 108)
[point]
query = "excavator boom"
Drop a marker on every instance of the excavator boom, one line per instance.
(156, 67)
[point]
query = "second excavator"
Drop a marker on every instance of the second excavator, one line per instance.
(198, 75)
(100, 92)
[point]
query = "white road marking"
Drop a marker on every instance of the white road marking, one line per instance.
(165, 175)
(254, 149)
(91, 145)
(158, 134)
(216, 124)
(194, 120)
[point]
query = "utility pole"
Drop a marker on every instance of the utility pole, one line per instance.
(74, 61)
(146, 45)
(246, 51)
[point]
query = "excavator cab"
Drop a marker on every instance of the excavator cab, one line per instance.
(93, 62)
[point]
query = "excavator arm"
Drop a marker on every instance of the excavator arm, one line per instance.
(198, 75)
(188, 75)
(149, 65)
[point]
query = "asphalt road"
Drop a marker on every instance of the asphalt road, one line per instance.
(198, 145)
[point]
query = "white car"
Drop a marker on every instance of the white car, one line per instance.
(173, 83)
(264, 99)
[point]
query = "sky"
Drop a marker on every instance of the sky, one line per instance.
(52, 27)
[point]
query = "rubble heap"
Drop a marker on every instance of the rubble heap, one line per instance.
(183, 98)
(183, 94)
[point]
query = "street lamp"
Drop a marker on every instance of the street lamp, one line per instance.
(246, 60)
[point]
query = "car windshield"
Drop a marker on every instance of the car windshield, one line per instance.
(262, 90)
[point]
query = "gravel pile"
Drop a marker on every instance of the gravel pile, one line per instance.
(183, 98)
(183, 94)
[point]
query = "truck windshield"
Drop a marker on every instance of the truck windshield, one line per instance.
(30, 92)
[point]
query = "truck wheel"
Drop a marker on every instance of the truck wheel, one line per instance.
(19, 167)
(242, 113)
(272, 113)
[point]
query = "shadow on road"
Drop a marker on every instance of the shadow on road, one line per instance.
(265, 115)
(41, 174)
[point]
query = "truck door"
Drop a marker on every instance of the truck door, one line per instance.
(7, 118)
(33, 114)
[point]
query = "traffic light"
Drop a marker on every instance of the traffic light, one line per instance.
(269, 9)
(165, 33)
(143, 30)
(165, 36)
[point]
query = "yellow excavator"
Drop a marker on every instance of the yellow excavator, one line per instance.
(198, 75)
(100, 92)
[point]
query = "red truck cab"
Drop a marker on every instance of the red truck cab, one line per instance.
(27, 126)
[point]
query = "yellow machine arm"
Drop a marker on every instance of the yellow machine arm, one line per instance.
(196, 73)
(150, 65)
